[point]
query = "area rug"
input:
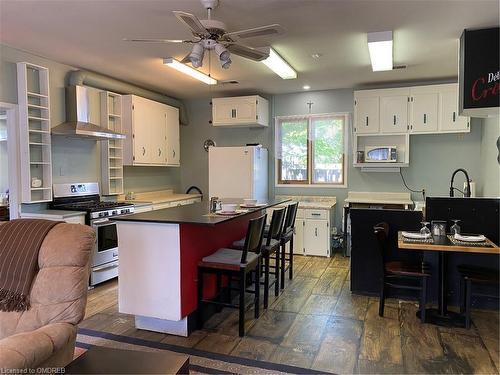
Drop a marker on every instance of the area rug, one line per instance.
(200, 361)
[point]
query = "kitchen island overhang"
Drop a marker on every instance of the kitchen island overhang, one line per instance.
(159, 255)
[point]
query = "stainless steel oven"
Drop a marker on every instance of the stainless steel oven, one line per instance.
(105, 254)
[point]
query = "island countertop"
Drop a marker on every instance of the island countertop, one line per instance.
(197, 213)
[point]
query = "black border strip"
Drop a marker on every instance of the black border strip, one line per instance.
(201, 353)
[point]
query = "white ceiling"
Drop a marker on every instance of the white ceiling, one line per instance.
(88, 34)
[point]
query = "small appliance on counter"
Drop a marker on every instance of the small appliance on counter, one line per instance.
(381, 154)
(99, 215)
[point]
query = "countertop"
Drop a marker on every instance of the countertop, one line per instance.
(378, 198)
(312, 202)
(157, 197)
(197, 213)
(55, 214)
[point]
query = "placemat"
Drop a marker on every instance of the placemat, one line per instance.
(429, 240)
(464, 243)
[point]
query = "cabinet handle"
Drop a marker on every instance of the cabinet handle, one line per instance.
(315, 214)
(394, 119)
(143, 150)
(425, 118)
(233, 113)
(159, 152)
(316, 232)
(366, 120)
(173, 153)
(454, 116)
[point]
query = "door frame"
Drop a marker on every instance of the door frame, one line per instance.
(14, 176)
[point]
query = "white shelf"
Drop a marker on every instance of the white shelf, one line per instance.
(381, 165)
(34, 144)
(111, 158)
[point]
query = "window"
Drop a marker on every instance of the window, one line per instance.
(311, 149)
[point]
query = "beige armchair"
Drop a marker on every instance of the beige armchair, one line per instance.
(44, 336)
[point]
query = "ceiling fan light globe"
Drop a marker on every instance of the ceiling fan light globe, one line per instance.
(196, 55)
(226, 64)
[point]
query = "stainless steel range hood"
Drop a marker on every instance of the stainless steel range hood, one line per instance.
(83, 115)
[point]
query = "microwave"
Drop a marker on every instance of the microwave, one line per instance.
(381, 154)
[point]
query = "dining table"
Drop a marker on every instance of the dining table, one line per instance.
(445, 245)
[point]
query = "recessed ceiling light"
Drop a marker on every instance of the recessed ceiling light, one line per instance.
(306, 87)
(279, 66)
(183, 68)
(380, 48)
(316, 55)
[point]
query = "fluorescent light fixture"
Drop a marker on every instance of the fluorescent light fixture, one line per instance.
(279, 66)
(380, 48)
(306, 87)
(183, 68)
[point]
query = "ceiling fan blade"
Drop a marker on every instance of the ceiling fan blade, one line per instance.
(151, 40)
(191, 21)
(269, 30)
(247, 52)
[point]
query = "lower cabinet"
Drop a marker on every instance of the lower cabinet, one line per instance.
(298, 239)
(316, 237)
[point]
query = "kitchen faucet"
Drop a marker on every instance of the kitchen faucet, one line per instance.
(467, 189)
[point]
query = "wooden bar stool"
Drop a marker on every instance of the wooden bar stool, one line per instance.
(470, 275)
(287, 237)
(396, 271)
(270, 247)
(236, 265)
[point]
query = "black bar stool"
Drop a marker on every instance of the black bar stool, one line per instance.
(236, 265)
(470, 275)
(397, 271)
(270, 247)
(287, 237)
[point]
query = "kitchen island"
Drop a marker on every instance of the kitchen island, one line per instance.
(159, 255)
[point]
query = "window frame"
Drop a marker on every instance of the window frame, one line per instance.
(310, 151)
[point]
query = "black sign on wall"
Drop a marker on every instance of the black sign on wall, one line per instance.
(479, 72)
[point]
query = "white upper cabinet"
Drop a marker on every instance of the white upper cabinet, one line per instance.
(173, 138)
(366, 113)
(424, 104)
(152, 131)
(394, 111)
(244, 111)
(450, 121)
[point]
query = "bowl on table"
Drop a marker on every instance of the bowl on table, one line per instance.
(229, 207)
(249, 202)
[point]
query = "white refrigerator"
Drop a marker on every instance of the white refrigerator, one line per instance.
(238, 172)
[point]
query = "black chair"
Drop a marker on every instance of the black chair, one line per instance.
(287, 237)
(270, 247)
(470, 275)
(236, 265)
(413, 276)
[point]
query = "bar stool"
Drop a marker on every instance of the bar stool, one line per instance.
(236, 265)
(270, 247)
(287, 237)
(470, 275)
(400, 271)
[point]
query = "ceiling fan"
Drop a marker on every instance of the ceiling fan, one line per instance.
(211, 34)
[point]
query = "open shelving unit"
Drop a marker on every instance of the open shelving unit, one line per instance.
(112, 150)
(34, 132)
(402, 142)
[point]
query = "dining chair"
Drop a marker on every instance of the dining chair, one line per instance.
(236, 265)
(287, 237)
(470, 275)
(270, 247)
(398, 274)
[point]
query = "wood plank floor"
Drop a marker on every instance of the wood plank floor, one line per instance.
(317, 323)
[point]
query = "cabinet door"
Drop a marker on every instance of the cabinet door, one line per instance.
(394, 114)
(158, 140)
(223, 111)
(424, 113)
(173, 139)
(141, 135)
(367, 115)
(234, 111)
(298, 240)
(246, 110)
(449, 120)
(316, 237)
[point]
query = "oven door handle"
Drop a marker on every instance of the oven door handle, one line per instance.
(102, 223)
(105, 266)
